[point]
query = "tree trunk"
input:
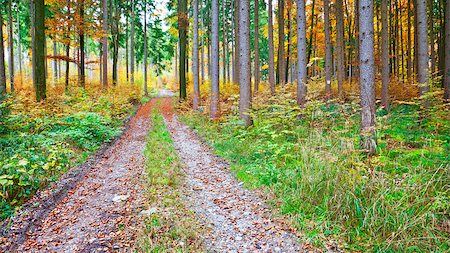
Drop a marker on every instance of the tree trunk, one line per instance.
(367, 77)
(19, 48)
(11, 45)
(422, 47)
(271, 51)
(39, 55)
(215, 59)
(409, 65)
(127, 50)
(328, 52)
(245, 101)
(340, 47)
(132, 46)
(54, 63)
(33, 31)
(280, 64)
(116, 44)
(81, 78)
(145, 50)
(447, 52)
(256, 68)
(237, 43)
(182, 24)
(384, 55)
(195, 60)
(289, 46)
(311, 32)
(105, 45)
(302, 54)
(2, 62)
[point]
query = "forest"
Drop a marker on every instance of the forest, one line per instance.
(224, 126)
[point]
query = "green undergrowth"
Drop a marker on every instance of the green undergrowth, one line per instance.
(169, 225)
(313, 171)
(40, 141)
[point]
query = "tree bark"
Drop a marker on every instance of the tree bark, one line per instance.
(105, 45)
(245, 101)
(11, 45)
(367, 77)
(195, 60)
(256, 69)
(82, 77)
(116, 44)
(215, 59)
(447, 52)
(39, 55)
(19, 49)
(280, 64)
(340, 47)
(271, 51)
(422, 47)
(384, 55)
(2, 62)
(132, 45)
(328, 52)
(409, 65)
(145, 50)
(302, 54)
(237, 42)
(182, 34)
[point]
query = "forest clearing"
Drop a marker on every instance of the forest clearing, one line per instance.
(224, 126)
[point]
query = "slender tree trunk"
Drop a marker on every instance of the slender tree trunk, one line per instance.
(237, 38)
(54, 63)
(280, 64)
(19, 48)
(127, 50)
(384, 54)
(432, 37)
(224, 42)
(132, 45)
(11, 45)
(409, 65)
(340, 47)
(311, 32)
(215, 59)
(245, 101)
(422, 47)
(82, 77)
(289, 46)
(2, 62)
(328, 53)
(67, 67)
(33, 32)
(367, 77)
(302, 54)
(182, 24)
(116, 44)
(447, 52)
(195, 60)
(271, 51)
(256, 68)
(105, 45)
(39, 77)
(145, 50)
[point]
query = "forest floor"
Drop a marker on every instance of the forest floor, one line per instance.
(99, 206)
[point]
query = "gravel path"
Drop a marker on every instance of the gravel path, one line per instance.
(237, 220)
(99, 213)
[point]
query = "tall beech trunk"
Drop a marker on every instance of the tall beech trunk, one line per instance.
(367, 77)
(271, 51)
(237, 42)
(195, 60)
(215, 59)
(81, 37)
(302, 54)
(385, 70)
(245, 100)
(256, 69)
(39, 52)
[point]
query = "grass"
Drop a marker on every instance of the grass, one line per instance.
(314, 172)
(41, 141)
(171, 226)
